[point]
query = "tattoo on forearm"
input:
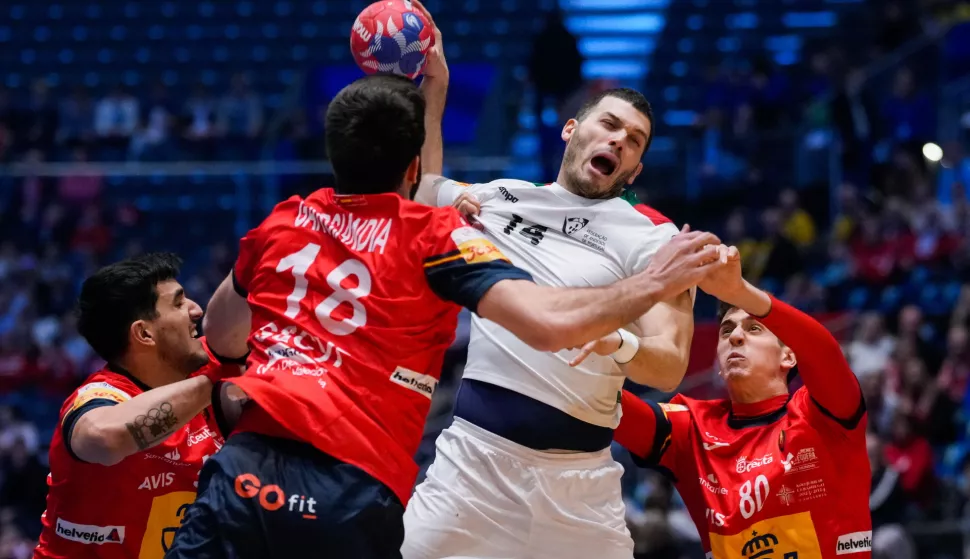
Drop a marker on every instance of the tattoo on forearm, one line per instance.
(153, 426)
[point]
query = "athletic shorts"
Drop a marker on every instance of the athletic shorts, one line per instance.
(264, 497)
(487, 497)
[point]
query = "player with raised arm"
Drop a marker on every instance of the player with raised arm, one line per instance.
(125, 461)
(765, 472)
(556, 420)
(349, 302)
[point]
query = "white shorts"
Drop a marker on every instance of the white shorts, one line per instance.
(487, 497)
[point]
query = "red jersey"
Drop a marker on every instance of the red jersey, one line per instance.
(130, 509)
(354, 301)
(784, 478)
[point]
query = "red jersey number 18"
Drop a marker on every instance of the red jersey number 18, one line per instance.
(299, 262)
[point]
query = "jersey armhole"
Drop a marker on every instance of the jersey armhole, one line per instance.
(850, 424)
(71, 419)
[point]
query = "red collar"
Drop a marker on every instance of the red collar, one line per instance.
(757, 409)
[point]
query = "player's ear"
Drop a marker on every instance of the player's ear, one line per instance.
(411, 176)
(568, 129)
(788, 359)
(636, 173)
(141, 333)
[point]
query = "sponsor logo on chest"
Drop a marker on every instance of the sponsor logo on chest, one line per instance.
(200, 436)
(800, 461)
(157, 481)
(576, 227)
(89, 534)
(712, 485)
(856, 542)
(744, 465)
(509, 197)
(413, 380)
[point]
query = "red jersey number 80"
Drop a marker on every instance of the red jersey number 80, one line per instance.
(299, 262)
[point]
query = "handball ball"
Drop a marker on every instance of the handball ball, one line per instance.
(391, 37)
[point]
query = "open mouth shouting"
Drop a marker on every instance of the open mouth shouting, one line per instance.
(604, 163)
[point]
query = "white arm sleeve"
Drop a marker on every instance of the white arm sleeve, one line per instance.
(450, 190)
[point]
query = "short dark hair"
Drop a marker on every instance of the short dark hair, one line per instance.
(374, 130)
(724, 308)
(119, 294)
(631, 96)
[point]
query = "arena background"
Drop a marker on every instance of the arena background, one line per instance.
(826, 139)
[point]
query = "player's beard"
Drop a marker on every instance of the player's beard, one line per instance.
(181, 356)
(579, 184)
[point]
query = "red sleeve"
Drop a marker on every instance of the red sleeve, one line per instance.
(252, 245)
(245, 266)
(460, 263)
(828, 379)
(648, 430)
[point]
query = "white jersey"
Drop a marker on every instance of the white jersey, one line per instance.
(563, 240)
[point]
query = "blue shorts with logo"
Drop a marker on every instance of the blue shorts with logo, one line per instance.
(264, 497)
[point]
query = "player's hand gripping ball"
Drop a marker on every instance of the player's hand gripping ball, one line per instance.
(391, 37)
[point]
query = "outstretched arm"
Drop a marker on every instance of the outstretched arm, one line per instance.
(227, 319)
(821, 364)
(106, 431)
(551, 319)
(434, 86)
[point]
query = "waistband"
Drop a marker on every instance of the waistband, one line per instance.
(462, 429)
(526, 422)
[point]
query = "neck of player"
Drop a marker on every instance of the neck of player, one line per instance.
(150, 369)
(752, 390)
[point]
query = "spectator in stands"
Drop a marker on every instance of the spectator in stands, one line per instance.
(913, 327)
(855, 115)
(929, 408)
(200, 131)
(909, 113)
(752, 253)
(83, 188)
(911, 455)
(76, 120)
(896, 28)
(115, 120)
(240, 119)
(92, 234)
(887, 499)
(554, 83)
(24, 487)
(152, 141)
(955, 370)
(872, 347)
(799, 227)
(783, 259)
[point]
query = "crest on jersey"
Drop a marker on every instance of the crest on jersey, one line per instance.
(572, 225)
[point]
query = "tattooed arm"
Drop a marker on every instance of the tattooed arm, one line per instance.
(108, 434)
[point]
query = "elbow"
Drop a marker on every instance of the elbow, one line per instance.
(98, 444)
(665, 379)
(552, 333)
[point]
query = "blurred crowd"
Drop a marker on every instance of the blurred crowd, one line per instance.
(891, 252)
(75, 124)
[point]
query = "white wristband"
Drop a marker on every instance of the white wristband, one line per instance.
(629, 346)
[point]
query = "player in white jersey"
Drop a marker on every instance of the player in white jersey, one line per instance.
(525, 470)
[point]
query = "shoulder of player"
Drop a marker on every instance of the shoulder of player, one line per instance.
(642, 212)
(104, 384)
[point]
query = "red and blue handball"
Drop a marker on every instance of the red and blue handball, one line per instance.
(391, 37)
